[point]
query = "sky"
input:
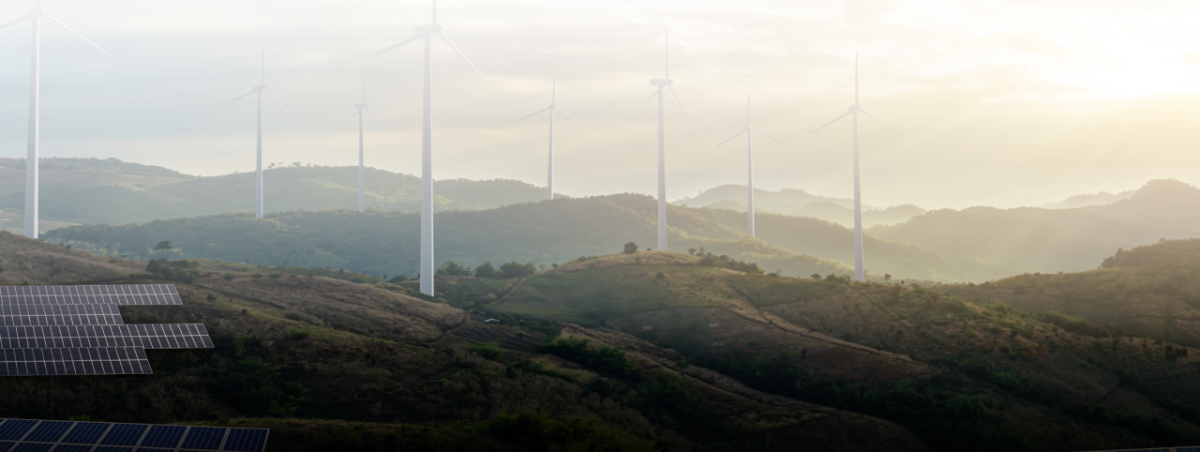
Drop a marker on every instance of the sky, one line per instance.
(1002, 103)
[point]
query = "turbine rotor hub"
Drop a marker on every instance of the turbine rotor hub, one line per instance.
(855, 109)
(426, 31)
(35, 13)
(661, 82)
(360, 106)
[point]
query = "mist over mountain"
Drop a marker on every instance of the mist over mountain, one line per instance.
(1094, 199)
(1054, 240)
(782, 201)
(95, 191)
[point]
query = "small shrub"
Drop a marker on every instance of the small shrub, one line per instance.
(228, 276)
(488, 350)
(299, 334)
(275, 275)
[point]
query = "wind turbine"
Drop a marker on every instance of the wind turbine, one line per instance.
(859, 273)
(259, 89)
(427, 32)
(662, 156)
(31, 160)
(362, 193)
(749, 131)
(551, 109)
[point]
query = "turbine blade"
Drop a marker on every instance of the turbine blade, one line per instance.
(401, 43)
(881, 122)
(278, 101)
(464, 57)
(568, 114)
(831, 122)
(655, 94)
(14, 22)
(359, 112)
(677, 99)
(244, 95)
(536, 113)
(369, 115)
(732, 137)
(73, 32)
(765, 135)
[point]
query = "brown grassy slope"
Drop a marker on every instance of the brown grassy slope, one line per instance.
(698, 310)
(37, 262)
(1141, 301)
(356, 366)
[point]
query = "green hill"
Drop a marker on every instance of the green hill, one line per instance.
(962, 374)
(333, 365)
(94, 191)
(544, 233)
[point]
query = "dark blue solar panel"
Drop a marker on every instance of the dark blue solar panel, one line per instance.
(112, 449)
(1187, 449)
(163, 436)
(246, 440)
(48, 431)
(124, 434)
(86, 433)
(204, 438)
(15, 429)
(31, 436)
(73, 448)
(1145, 450)
(32, 447)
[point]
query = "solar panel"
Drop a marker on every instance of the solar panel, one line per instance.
(78, 330)
(1145, 450)
(124, 295)
(70, 436)
(1187, 449)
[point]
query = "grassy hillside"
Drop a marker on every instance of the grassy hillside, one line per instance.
(963, 375)
(333, 365)
(883, 257)
(544, 233)
(110, 191)
(388, 242)
(1150, 291)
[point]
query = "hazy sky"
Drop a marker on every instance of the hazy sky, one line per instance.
(1005, 103)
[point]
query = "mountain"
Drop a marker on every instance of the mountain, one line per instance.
(844, 216)
(1054, 240)
(94, 191)
(1095, 199)
(328, 364)
(785, 200)
(1160, 203)
(544, 233)
(961, 373)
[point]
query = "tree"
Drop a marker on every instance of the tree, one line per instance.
(887, 277)
(816, 276)
(163, 246)
(692, 251)
(485, 270)
(630, 248)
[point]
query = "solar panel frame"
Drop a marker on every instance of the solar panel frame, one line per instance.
(124, 437)
(55, 321)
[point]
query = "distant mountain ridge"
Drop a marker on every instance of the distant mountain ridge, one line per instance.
(782, 201)
(94, 191)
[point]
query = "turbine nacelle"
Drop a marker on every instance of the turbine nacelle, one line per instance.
(855, 108)
(360, 106)
(661, 82)
(36, 13)
(426, 31)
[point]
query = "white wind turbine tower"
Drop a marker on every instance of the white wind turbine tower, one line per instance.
(859, 273)
(662, 156)
(362, 190)
(553, 106)
(31, 161)
(427, 32)
(258, 178)
(749, 131)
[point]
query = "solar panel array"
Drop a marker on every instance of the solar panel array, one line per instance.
(77, 330)
(27, 435)
(1158, 449)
